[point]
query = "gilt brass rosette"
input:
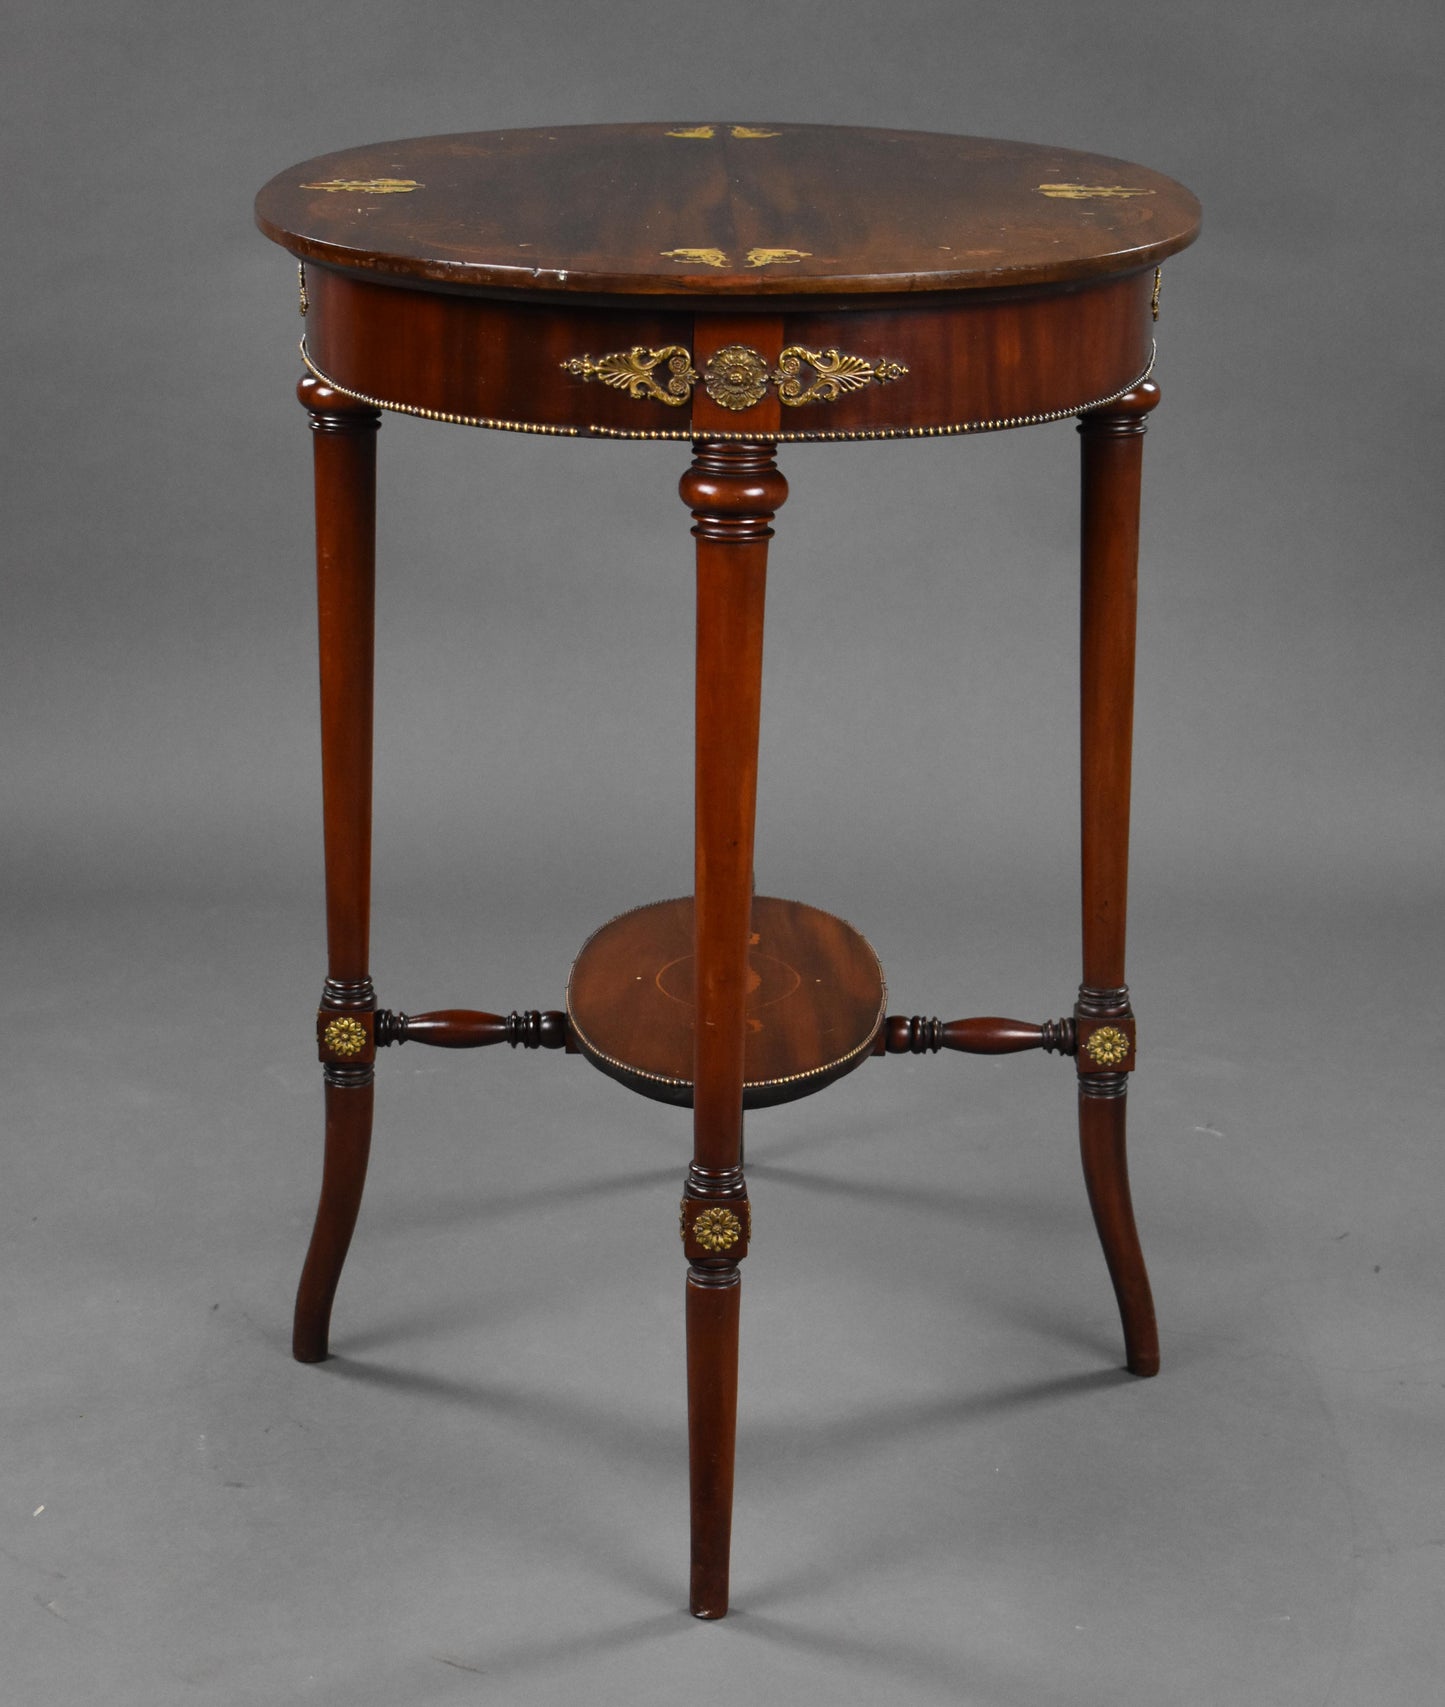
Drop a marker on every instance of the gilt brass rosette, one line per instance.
(715, 1229)
(344, 1037)
(736, 377)
(1107, 1047)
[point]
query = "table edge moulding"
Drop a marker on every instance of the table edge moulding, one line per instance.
(733, 285)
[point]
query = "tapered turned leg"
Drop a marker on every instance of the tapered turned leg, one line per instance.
(733, 491)
(1112, 445)
(344, 441)
(712, 1409)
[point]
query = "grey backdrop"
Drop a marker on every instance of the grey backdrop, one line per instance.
(947, 1490)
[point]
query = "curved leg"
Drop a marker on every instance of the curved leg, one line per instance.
(343, 1175)
(344, 441)
(1106, 1176)
(1112, 445)
(733, 491)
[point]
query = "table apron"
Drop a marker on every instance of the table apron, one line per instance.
(988, 361)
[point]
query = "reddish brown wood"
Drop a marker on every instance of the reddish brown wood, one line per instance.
(813, 1001)
(943, 255)
(712, 1408)
(795, 211)
(463, 1028)
(976, 357)
(1118, 1019)
(981, 284)
(987, 1036)
(354, 1050)
(733, 490)
(1112, 442)
(1102, 1119)
(759, 334)
(736, 1229)
(344, 441)
(348, 1145)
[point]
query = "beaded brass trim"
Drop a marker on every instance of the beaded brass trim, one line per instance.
(440, 415)
(859, 435)
(590, 1049)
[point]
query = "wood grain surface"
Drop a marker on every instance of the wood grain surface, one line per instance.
(721, 208)
(813, 1009)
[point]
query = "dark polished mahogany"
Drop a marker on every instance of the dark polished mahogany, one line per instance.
(736, 286)
(812, 1001)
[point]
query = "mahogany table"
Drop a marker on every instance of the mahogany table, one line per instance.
(735, 286)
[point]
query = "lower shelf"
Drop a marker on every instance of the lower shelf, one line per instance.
(815, 1007)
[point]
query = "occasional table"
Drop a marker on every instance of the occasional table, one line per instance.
(732, 286)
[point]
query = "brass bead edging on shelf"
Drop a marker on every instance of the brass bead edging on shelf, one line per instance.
(588, 1048)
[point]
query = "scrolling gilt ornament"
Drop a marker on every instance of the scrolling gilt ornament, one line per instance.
(635, 371)
(737, 376)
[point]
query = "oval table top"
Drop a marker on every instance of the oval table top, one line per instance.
(725, 209)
